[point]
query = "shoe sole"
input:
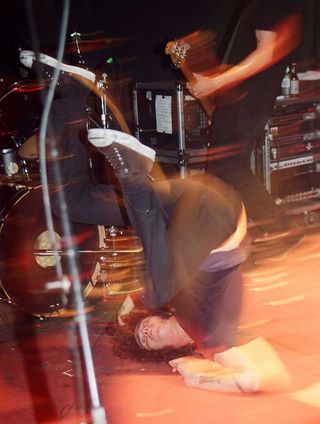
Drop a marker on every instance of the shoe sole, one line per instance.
(27, 57)
(101, 137)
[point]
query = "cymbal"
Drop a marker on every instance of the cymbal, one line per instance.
(91, 45)
(30, 149)
(88, 45)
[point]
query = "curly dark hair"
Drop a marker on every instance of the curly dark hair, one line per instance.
(125, 346)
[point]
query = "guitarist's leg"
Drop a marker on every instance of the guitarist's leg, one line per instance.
(258, 202)
(234, 164)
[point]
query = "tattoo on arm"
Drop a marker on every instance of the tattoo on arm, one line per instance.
(217, 380)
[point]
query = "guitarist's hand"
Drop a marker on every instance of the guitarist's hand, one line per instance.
(203, 86)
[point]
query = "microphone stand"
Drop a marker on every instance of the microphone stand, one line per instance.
(82, 353)
(98, 414)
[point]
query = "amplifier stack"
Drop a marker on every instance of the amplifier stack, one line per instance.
(172, 122)
(289, 158)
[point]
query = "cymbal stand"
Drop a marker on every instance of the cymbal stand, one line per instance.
(76, 37)
(102, 87)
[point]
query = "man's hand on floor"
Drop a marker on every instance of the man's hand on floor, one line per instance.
(207, 374)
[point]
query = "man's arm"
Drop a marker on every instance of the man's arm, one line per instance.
(210, 375)
(251, 367)
(271, 47)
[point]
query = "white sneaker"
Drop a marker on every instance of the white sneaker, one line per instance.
(27, 57)
(124, 152)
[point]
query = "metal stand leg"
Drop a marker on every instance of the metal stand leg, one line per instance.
(181, 133)
(82, 353)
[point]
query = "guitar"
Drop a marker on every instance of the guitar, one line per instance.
(187, 53)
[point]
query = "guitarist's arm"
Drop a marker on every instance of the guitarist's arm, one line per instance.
(271, 47)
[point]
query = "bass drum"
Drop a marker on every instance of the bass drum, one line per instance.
(25, 274)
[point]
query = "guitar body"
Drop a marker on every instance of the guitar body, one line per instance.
(194, 53)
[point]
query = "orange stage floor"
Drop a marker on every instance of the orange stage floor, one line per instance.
(282, 303)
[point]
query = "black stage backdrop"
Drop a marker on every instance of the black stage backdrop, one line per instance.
(136, 34)
(144, 25)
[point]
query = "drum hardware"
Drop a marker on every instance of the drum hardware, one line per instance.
(76, 37)
(121, 269)
(26, 170)
(47, 252)
(116, 289)
(102, 87)
(118, 281)
(9, 162)
(97, 108)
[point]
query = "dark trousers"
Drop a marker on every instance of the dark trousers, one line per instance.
(242, 124)
(259, 204)
(86, 200)
(176, 242)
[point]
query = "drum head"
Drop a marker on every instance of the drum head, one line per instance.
(29, 149)
(24, 274)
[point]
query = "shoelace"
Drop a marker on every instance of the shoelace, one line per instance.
(116, 160)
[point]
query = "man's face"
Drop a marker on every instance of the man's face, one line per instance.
(154, 333)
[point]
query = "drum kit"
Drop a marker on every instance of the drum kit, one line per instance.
(111, 259)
